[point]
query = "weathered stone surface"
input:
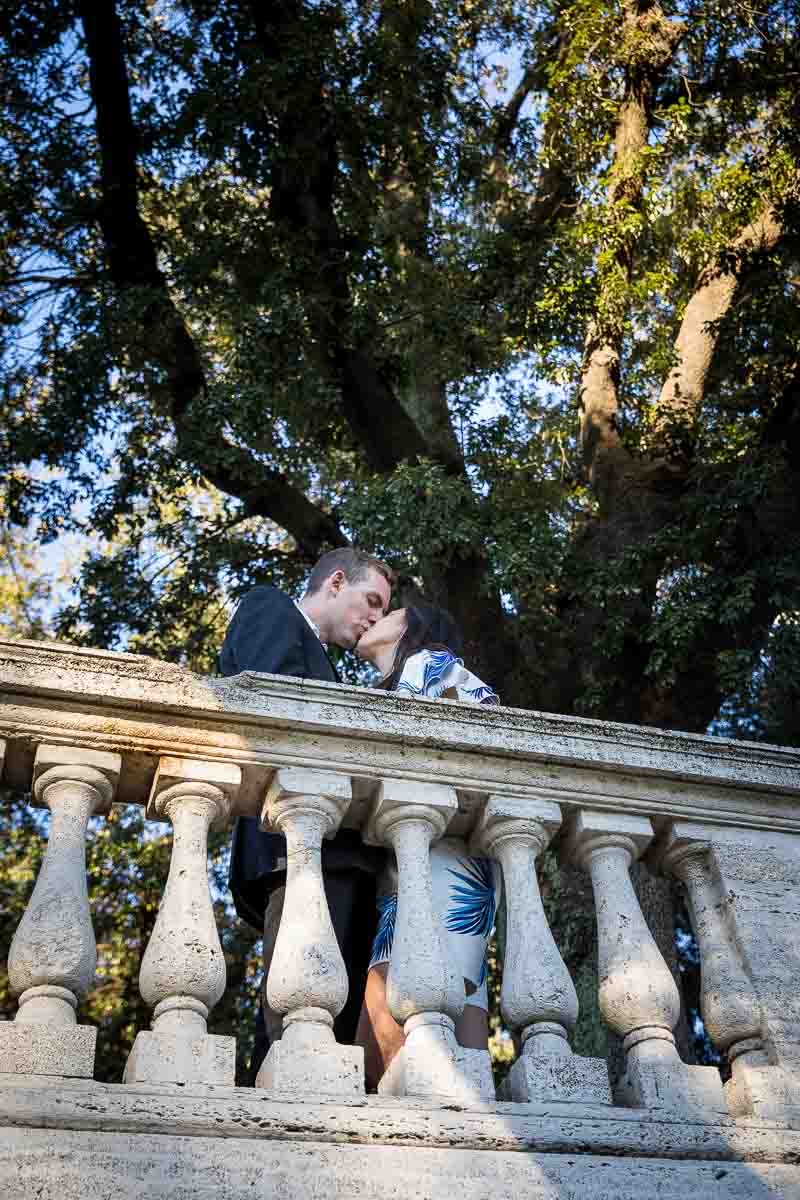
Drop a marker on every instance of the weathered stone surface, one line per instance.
(429, 1064)
(745, 887)
(97, 762)
(183, 970)
(538, 998)
(542, 1077)
(184, 957)
(728, 1001)
(306, 970)
(536, 987)
(54, 944)
(312, 1069)
(156, 1139)
(639, 999)
(440, 1068)
(91, 1166)
(764, 1091)
(198, 1110)
(167, 1058)
(60, 1050)
(421, 978)
(424, 992)
(476, 1065)
(224, 777)
(30, 1102)
(695, 1091)
(307, 980)
(142, 709)
(759, 878)
(52, 958)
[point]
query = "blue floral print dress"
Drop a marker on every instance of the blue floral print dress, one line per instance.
(466, 890)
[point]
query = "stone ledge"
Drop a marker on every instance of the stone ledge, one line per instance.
(553, 1128)
(101, 678)
(68, 1165)
(141, 709)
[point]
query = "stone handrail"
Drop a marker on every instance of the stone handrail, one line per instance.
(85, 728)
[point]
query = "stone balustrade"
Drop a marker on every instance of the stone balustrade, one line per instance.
(84, 729)
(538, 999)
(307, 979)
(183, 970)
(52, 959)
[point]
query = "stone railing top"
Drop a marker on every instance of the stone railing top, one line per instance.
(142, 708)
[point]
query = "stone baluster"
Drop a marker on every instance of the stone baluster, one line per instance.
(728, 1002)
(424, 992)
(307, 981)
(182, 975)
(52, 960)
(538, 1000)
(639, 999)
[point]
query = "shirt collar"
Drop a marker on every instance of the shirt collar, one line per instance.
(311, 624)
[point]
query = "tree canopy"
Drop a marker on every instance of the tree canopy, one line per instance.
(506, 292)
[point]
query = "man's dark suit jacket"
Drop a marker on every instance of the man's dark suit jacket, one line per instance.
(269, 633)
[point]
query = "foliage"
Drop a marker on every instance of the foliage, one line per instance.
(19, 866)
(23, 588)
(505, 292)
(263, 296)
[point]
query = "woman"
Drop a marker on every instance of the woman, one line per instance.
(416, 651)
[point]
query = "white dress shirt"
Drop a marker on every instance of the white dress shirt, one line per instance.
(310, 623)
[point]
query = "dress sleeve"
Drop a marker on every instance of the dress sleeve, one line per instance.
(431, 673)
(470, 687)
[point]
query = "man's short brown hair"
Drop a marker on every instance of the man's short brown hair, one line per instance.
(355, 564)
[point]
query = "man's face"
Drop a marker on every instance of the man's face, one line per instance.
(353, 608)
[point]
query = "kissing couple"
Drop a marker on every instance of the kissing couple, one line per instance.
(417, 651)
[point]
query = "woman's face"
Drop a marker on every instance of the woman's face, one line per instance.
(384, 634)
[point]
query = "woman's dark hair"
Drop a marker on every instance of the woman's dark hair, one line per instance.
(427, 628)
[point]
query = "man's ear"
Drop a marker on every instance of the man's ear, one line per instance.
(336, 581)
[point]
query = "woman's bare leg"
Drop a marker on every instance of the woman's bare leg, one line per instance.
(377, 1032)
(382, 1037)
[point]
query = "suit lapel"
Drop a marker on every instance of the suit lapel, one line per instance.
(316, 654)
(336, 676)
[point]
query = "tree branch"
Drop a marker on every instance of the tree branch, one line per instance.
(649, 42)
(165, 340)
(759, 542)
(555, 186)
(507, 121)
(304, 178)
(648, 498)
(763, 73)
(684, 388)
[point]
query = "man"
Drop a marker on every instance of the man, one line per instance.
(347, 592)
